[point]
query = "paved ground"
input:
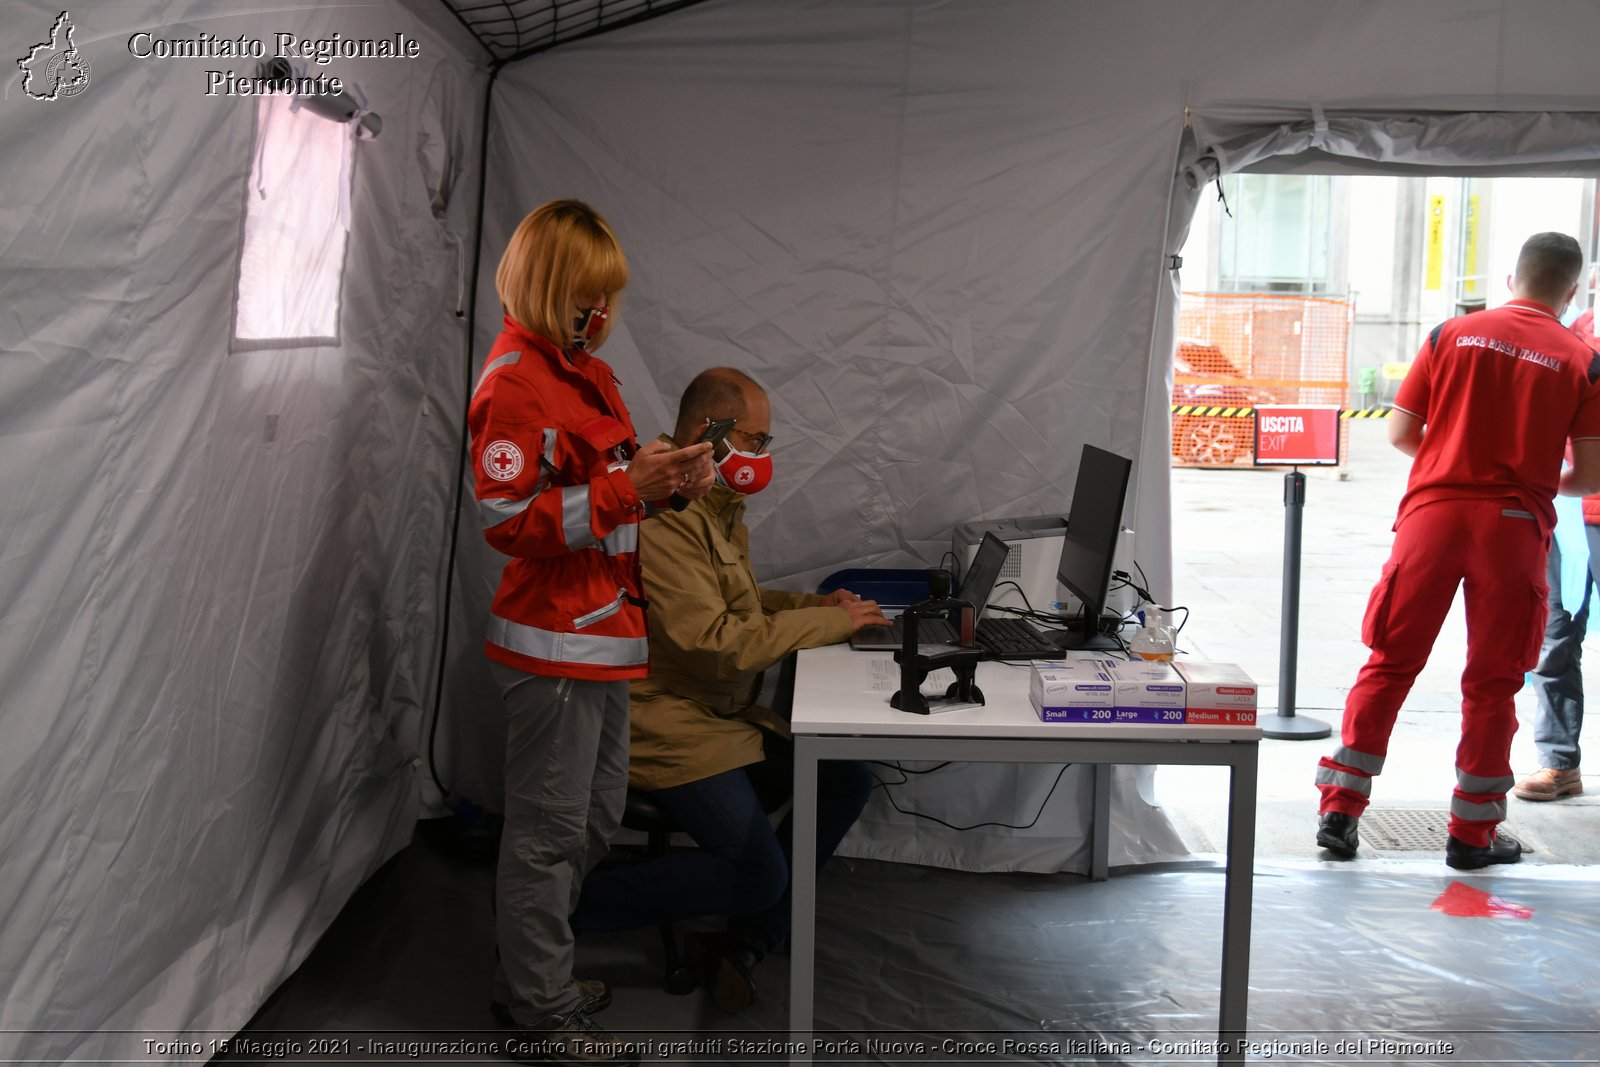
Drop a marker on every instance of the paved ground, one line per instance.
(1228, 549)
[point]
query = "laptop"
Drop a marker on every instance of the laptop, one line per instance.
(1008, 640)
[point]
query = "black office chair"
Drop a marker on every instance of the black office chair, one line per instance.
(642, 815)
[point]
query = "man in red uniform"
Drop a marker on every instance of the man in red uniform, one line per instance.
(1486, 413)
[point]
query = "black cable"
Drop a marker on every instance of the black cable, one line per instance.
(461, 455)
(906, 772)
(1127, 582)
(977, 825)
(1030, 612)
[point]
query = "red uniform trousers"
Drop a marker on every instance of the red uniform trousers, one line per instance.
(1497, 552)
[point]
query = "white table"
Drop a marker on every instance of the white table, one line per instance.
(838, 716)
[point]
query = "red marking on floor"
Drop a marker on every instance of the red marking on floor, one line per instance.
(1463, 900)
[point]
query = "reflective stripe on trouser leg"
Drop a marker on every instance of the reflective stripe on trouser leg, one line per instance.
(555, 733)
(1342, 788)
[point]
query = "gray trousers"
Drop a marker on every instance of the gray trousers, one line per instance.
(566, 784)
(1558, 679)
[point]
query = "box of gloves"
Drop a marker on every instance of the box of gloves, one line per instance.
(1077, 690)
(1146, 691)
(1107, 690)
(1219, 694)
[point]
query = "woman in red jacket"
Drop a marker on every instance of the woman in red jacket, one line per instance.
(562, 486)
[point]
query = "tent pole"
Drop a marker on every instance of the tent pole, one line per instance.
(461, 454)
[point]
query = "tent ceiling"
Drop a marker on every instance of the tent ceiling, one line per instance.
(511, 29)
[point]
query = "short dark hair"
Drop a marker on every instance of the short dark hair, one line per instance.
(717, 393)
(1549, 264)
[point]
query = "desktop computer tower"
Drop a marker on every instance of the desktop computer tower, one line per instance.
(1035, 543)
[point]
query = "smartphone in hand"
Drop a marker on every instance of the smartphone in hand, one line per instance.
(716, 430)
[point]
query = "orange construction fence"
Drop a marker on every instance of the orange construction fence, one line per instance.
(1240, 350)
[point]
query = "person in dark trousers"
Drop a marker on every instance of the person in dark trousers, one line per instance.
(1558, 679)
(562, 489)
(1486, 413)
(708, 753)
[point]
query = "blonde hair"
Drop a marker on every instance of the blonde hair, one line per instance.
(561, 251)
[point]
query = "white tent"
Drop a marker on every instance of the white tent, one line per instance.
(939, 232)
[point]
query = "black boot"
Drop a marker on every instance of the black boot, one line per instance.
(1502, 848)
(1336, 832)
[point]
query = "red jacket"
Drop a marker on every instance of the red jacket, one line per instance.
(551, 440)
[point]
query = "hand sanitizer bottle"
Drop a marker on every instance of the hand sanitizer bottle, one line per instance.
(1154, 640)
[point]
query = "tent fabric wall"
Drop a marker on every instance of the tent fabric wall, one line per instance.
(221, 572)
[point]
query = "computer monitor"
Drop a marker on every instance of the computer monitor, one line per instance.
(1093, 527)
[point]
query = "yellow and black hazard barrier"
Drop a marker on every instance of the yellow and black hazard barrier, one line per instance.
(1223, 412)
(1213, 412)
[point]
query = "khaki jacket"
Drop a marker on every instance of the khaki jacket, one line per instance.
(713, 631)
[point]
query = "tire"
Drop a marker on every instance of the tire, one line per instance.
(1211, 442)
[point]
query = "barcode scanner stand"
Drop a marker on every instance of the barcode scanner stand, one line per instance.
(917, 661)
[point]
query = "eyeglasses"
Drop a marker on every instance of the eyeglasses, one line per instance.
(760, 442)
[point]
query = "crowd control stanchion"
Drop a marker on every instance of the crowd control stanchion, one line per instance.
(1294, 435)
(1286, 725)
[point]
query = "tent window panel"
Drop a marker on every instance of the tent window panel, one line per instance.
(1279, 237)
(296, 226)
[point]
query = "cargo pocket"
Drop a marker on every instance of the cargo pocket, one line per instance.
(1538, 613)
(1375, 623)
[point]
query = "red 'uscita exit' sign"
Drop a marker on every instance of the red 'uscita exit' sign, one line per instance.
(1301, 435)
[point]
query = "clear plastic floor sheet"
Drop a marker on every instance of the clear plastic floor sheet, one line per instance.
(1350, 963)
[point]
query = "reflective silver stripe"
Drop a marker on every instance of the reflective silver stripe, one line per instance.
(568, 648)
(1360, 761)
(1516, 513)
(602, 613)
(494, 365)
(1471, 783)
(493, 510)
(1354, 782)
(624, 538)
(575, 517)
(549, 449)
(1465, 809)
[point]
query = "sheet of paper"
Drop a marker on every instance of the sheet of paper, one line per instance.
(883, 676)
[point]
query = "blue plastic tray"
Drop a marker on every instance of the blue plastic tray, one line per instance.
(891, 587)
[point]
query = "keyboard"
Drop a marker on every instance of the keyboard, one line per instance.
(932, 631)
(1014, 639)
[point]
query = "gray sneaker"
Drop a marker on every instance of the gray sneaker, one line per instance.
(571, 1038)
(596, 998)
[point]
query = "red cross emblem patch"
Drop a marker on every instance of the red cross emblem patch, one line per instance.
(502, 461)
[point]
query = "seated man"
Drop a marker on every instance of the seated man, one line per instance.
(702, 747)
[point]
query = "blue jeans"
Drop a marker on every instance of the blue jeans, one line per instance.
(741, 868)
(1558, 679)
